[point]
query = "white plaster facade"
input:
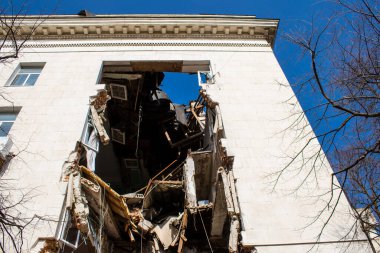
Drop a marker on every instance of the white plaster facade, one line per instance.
(54, 110)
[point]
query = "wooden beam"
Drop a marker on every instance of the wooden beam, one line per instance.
(153, 178)
(188, 139)
(99, 204)
(202, 127)
(182, 232)
(172, 182)
(98, 123)
(168, 138)
(130, 234)
(122, 205)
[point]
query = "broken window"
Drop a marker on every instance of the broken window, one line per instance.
(90, 142)
(159, 178)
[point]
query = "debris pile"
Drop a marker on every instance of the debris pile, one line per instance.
(174, 190)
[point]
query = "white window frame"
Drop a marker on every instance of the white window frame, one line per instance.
(63, 231)
(7, 121)
(6, 142)
(88, 126)
(32, 69)
(209, 78)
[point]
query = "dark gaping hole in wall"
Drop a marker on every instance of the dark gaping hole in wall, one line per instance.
(159, 158)
(148, 129)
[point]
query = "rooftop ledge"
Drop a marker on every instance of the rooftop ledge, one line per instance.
(149, 27)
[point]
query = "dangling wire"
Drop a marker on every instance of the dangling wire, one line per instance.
(138, 130)
(209, 244)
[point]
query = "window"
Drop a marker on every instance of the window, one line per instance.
(89, 135)
(6, 122)
(26, 75)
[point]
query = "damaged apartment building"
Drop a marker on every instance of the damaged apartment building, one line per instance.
(116, 165)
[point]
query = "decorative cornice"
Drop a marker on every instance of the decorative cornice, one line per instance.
(225, 27)
(142, 44)
(147, 36)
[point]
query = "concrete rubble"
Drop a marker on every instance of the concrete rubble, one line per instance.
(178, 190)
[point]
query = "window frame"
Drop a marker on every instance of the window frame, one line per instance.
(86, 132)
(5, 113)
(32, 68)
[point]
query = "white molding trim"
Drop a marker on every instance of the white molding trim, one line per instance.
(69, 27)
(141, 44)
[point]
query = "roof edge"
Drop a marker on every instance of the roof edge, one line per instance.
(149, 26)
